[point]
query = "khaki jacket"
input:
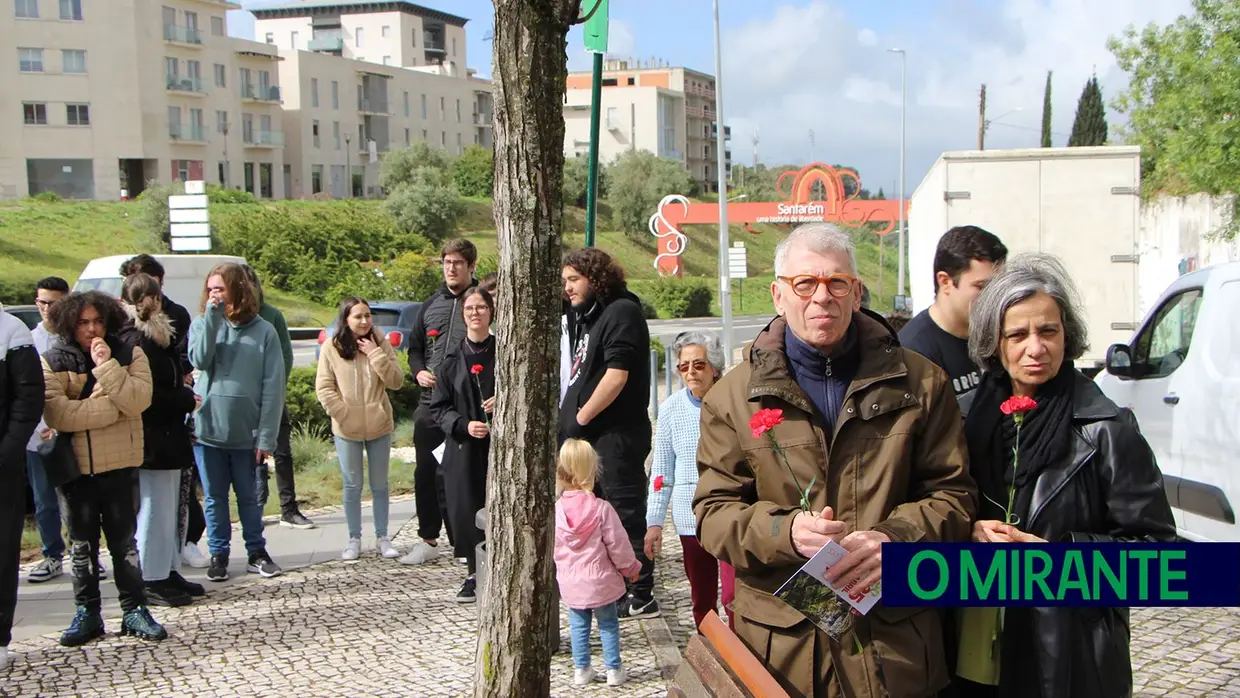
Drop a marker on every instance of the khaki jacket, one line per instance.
(896, 463)
(354, 393)
(107, 425)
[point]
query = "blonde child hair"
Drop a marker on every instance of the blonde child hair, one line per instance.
(576, 468)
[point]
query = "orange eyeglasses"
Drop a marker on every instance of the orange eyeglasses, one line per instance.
(806, 285)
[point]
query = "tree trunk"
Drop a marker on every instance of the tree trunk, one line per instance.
(530, 68)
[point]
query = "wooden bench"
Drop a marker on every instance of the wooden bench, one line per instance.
(718, 665)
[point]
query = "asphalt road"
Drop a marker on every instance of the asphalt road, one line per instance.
(744, 328)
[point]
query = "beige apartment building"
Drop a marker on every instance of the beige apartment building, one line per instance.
(101, 96)
(667, 111)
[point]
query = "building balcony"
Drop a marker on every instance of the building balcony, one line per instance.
(333, 44)
(263, 139)
(254, 93)
(187, 86)
(433, 45)
(178, 34)
(482, 120)
(377, 107)
(699, 112)
(700, 92)
(727, 132)
(191, 134)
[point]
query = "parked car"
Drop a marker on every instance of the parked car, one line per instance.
(185, 275)
(28, 314)
(1180, 375)
(393, 319)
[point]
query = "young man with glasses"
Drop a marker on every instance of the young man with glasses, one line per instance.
(46, 507)
(873, 452)
(439, 326)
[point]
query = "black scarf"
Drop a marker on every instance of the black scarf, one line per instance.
(1045, 441)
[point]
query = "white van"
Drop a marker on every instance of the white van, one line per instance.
(184, 275)
(1187, 402)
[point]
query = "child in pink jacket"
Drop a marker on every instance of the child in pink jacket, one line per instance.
(593, 557)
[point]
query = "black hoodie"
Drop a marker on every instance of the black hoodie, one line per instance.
(443, 313)
(608, 335)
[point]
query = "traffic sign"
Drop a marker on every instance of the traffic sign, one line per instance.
(595, 33)
(738, 267)
(188, 225)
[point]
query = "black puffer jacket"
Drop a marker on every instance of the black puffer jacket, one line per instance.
(442, 312)
(1108, 489)
(21, 390)
(166, 437)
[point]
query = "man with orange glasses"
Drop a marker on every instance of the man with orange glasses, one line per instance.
(869, 438)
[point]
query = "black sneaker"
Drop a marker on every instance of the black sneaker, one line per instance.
(162, 593)
(260, 563)
(218, 571)
(296, 520)
(176, 581)
(634, 608)
(86, 626)
(467, 594)
(140, 624)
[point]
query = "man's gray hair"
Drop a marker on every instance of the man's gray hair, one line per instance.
(706, 340)
(819, 238)
(1018, 279)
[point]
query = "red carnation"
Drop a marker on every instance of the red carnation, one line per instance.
(1017, 404)
(475, 369)
(658, 483)
(764, 421)
(432, 333)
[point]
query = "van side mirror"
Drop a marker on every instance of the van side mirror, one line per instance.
(1119, 361)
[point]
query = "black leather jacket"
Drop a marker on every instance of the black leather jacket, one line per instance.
(1109, 490)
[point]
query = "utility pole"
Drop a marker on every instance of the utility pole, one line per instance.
(903, 113)
(596, 42)
(725, 282)
(981, 120)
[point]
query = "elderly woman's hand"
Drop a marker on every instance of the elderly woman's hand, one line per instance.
(654, 542)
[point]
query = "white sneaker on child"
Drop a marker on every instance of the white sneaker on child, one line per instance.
(384, 547)
(353, 550)
(617, 677)
(583, 677)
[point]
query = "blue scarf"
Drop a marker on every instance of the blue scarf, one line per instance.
(824, 379)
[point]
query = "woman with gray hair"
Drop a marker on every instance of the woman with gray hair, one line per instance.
(1082, 472)
(674, 473)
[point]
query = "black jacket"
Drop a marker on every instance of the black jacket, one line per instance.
(442, 312)
(455, 402)
(181, 321)
(21, 391)
(611, 335)
(1109, 489)
(166, 438)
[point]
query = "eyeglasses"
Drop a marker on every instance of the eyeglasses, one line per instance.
(43, 303)
(806, 285)
(476, 309)
(455, 263)
(695, 365)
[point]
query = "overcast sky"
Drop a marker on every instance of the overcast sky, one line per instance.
(821, 65)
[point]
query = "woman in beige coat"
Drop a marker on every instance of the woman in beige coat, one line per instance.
(356, 369)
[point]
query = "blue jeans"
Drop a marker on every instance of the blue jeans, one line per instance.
(222, 469)
(159, 540)
(378, 451)
(46, 507)
(608, 630)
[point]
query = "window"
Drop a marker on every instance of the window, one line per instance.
(1163, 344)
(220, 75)
(632, 81)
(191, 26)
(197, 125)
(406, 104)
(292, 40)
(217, 26)
(34, 113)
(172, 68)
(174, 122)
(336, 133)
(443, 138)
(361, 136)
(335, 95)
(454, 47)
(221, 122)
(407, 141)
(222, 175)
(357, 37)
(193, 71)
(387, 60)
(424, 136)
(182, 168)
(316, 179)
(314, 132)
(271, 38)
(26, 8)
(458, 111)
(314, 92)
(264, 84)
(30, 60)
(459, 149)
(386, 31)
(71, 9)
(77, 114)
(442, 109)
(247, 128)
(414, 40)
(424, 107)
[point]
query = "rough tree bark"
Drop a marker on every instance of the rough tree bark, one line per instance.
(529, 72)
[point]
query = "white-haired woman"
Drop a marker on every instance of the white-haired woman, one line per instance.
(1083, 473)
(674, 474)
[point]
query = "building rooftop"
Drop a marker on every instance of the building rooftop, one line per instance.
(311, 8)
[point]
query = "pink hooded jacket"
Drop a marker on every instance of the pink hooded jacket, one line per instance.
(592, 552)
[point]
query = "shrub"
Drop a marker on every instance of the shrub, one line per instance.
(13, 293)
(311, 447)
(426, 207)
(152, 219)
(638, 181)
(222, 195)
(474, 172)
(648, 310)
(657, 345)
(50, 197)
(402, 436)
(681, 298)
(412, 276)
(407, 165)
(577, 180)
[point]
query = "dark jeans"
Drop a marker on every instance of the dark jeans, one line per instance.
(46, 507)
(622, 483)
(12, 516)
(429, 494)
(283, 457)
(107, 502)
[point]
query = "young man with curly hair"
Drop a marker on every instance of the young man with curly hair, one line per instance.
(605, 400)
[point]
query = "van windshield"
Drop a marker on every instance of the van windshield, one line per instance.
(110, 285)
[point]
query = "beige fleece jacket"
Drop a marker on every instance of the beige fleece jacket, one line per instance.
(354, 393)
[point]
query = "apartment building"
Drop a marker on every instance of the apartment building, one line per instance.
(102, 96)
(667, 111)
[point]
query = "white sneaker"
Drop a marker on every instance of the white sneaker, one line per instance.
(617, 677)
(384, 547)
(420, 552)
(583, 677)
(192, 556)
(353, 550)
(5, 657)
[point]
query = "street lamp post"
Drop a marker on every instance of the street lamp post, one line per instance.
(903, 110)
(725, 283)
(348, 168)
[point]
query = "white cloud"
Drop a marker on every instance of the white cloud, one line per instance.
(808, 65)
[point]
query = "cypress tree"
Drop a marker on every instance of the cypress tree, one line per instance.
(1090, 125)
(1046, 113)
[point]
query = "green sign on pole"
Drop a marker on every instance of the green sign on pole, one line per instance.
(596, 26)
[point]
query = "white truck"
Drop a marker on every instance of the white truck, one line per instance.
(1079, 204)
(185, 275)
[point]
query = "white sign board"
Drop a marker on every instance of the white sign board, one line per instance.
(196, 187)
(187, 218)
(191, 230)
(187, 215)
(191, 244)
(737, 262)
(187, 201)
